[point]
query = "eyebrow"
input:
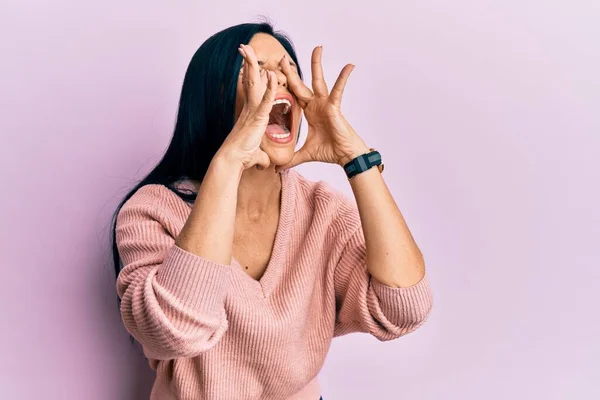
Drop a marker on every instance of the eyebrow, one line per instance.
(292, 63)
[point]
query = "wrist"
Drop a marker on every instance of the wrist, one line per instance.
(226, 162)
(356, 150)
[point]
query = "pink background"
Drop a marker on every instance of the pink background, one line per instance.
(488, 117)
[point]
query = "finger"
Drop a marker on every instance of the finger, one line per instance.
(251, 68)
(244, 73)
(264, 77)
(340, 84)
(302, 92)
(242, 52)
(300, 157)
(262, 160)
(244, 62)
(318, 81)
(266, 104)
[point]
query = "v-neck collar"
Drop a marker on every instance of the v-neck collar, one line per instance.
(264, 286)
(277, 261)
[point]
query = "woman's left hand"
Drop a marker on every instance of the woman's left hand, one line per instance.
(330, 138)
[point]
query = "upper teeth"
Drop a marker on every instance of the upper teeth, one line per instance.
(284, 101)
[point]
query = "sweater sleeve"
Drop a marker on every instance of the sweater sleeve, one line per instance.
(366, 305)
(172, 301)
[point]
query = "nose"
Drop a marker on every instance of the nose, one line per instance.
(281, 78)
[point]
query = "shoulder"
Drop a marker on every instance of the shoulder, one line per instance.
(153, 202)
(321, 199)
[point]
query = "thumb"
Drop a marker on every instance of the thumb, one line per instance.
(300, 157)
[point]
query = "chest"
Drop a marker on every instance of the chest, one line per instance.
(253, 244)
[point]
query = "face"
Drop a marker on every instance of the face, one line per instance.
(279, 141)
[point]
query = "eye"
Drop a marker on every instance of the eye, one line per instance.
(242, 68)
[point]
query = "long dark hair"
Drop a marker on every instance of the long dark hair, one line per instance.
(206, 112)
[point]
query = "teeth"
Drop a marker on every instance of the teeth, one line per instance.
(282, 101)
(282, 135)
(287, 103)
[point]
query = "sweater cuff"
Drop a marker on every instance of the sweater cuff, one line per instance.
(193, 280)
(408, 304)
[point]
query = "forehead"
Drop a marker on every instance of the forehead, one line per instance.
(267, 47)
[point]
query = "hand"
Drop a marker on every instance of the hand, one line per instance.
(330, 138)
(243, 142)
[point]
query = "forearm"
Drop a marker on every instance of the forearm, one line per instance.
(209, 229)
(393, 257)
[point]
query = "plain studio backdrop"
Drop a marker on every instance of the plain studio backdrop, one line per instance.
(487, 114)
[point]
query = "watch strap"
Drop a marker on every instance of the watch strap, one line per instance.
(363, 163)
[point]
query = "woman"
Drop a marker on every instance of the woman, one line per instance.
(237, 272)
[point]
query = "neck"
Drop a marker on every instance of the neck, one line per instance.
(259, 193)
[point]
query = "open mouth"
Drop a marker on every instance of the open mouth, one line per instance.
(280, 120)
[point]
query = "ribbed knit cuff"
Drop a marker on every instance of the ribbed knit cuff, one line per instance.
(404, 306)
(194, 281)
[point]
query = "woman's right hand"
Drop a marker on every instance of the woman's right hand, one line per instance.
(243, 142)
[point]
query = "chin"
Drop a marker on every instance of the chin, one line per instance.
(279, 156)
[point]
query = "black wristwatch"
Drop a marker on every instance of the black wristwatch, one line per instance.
(363, 163)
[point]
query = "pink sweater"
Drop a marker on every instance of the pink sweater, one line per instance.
(211, 331)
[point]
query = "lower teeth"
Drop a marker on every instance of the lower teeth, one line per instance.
(282, 135)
